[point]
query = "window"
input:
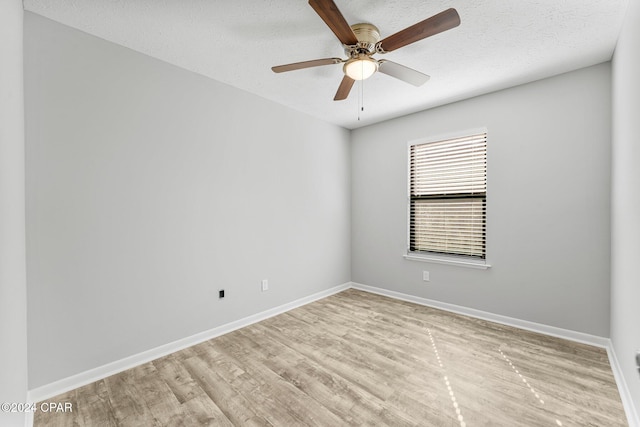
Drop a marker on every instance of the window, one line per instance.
(448, 197)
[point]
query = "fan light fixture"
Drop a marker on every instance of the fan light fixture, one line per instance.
(360, 68)
(361, 41)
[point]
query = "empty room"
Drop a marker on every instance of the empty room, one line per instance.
(319, 212)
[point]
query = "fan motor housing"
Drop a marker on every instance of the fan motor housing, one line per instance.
(368, 35)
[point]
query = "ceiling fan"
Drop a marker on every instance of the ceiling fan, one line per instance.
(362, 41)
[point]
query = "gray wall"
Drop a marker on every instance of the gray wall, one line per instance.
(13, 283)
(149, 188)
(625, 201)
(548, 203)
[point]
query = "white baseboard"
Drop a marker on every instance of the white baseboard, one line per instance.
(625, 396)
(485, 315)
(58, 387)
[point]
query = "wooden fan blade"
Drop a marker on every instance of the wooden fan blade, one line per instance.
(344, 88)
(436, 24)
(403, 73)
(305, 64)
(331, 15)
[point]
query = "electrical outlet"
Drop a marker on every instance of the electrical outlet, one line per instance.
(425, 276)
(221, 293)
(265, 285)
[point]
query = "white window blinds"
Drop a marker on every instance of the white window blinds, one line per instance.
(448, 187)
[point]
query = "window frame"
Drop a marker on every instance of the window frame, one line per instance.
(445, 258)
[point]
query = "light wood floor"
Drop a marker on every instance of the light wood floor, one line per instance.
(357, 358)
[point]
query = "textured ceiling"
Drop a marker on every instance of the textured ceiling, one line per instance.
(498, 44)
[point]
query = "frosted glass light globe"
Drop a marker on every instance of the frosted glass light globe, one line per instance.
(360, 68)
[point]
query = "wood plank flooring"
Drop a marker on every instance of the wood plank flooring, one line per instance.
(359, 359)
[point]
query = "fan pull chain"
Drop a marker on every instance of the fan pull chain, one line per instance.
(361, 97)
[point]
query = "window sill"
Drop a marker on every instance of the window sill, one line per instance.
(482, 265)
